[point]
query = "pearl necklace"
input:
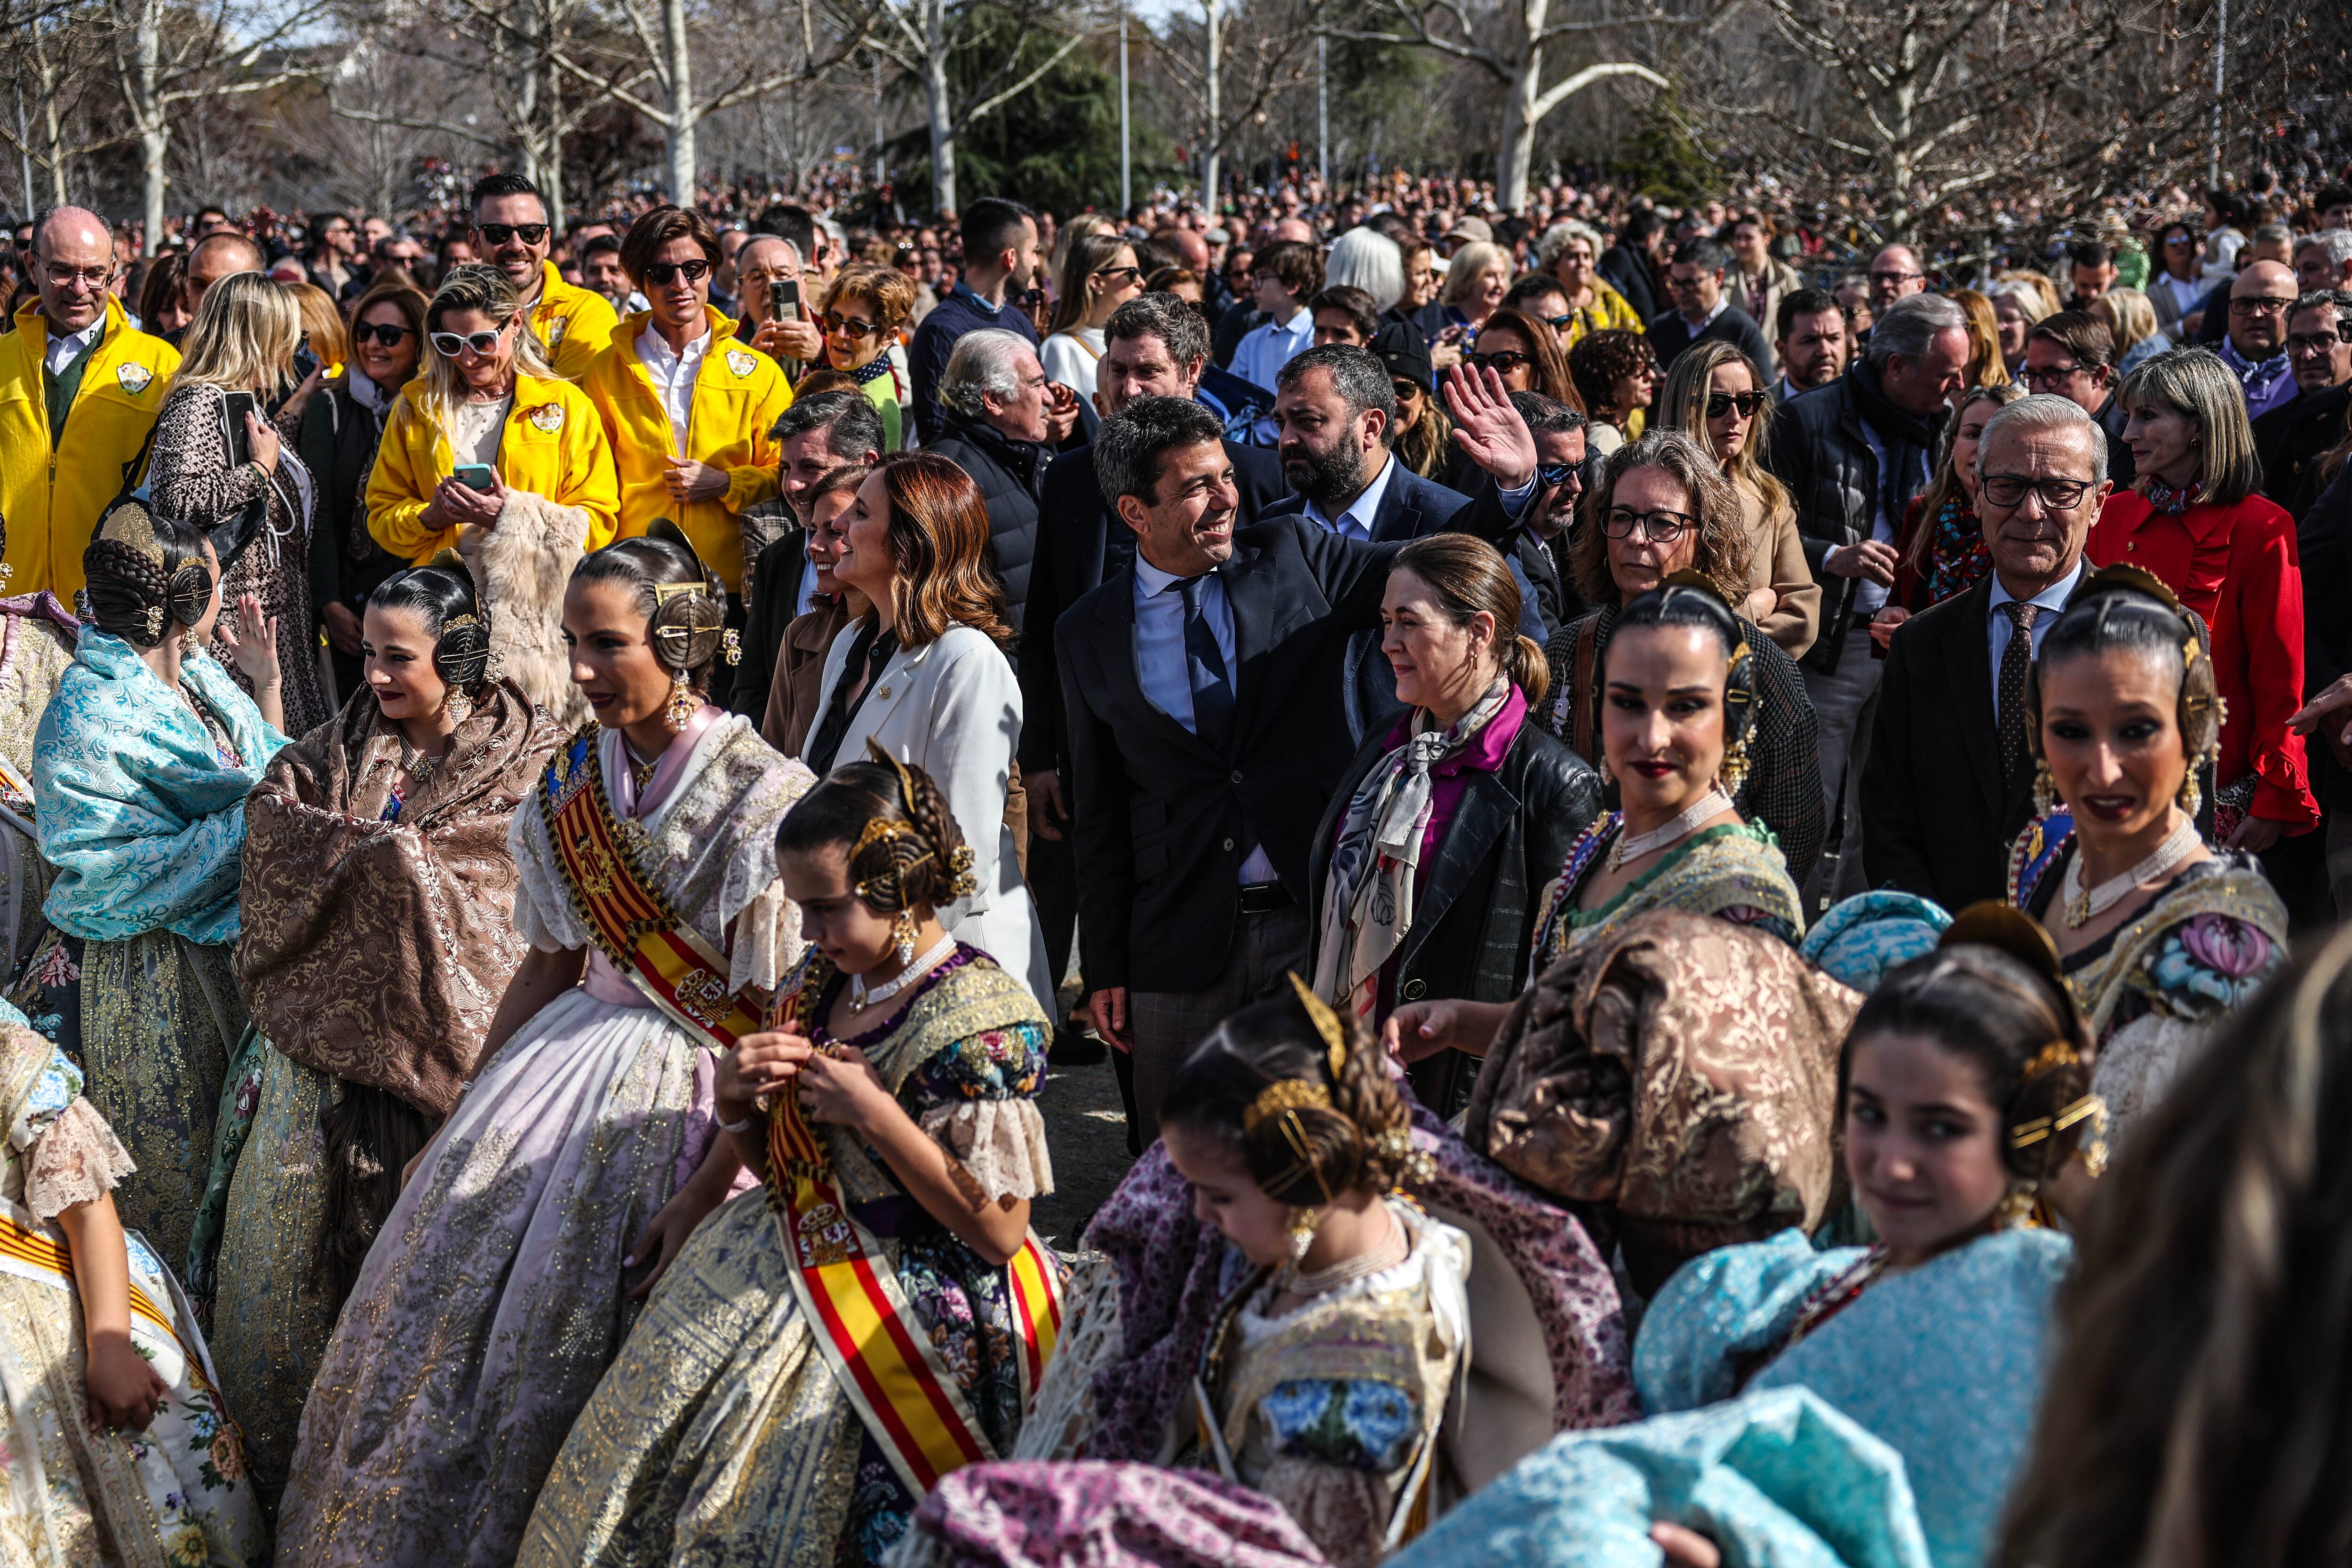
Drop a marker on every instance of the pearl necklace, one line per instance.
(1363, 1265)
(861, 999)
(2083, 904)
(1633, 847)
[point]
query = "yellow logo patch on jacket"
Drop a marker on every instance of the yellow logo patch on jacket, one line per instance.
(741, 364)
(134, 378)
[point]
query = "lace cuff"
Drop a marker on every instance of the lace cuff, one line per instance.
(76, 1158)
(1000, 1142)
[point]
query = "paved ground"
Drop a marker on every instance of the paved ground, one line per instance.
(1087, 1131)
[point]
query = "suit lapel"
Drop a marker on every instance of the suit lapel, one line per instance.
(1483, 816)
(1399, 518)
(1970, 678)
(1249, 584)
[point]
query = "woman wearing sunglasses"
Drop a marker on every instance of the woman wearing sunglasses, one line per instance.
(1099, 275)
(1714, 394)
(340, 427)
(861, 318)
(491, 453)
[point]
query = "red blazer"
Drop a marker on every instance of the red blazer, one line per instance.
(2236, 566)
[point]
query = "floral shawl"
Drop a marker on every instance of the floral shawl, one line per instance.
(137, 811)
(1680, 1076)
(377, 950)
(1735, 872)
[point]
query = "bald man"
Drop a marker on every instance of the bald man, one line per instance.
(1895, 272)
(80, 388)
(215, 257)
(2255, 349)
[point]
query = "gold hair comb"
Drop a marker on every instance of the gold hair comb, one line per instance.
(1283, 1097)
(1327, 1024)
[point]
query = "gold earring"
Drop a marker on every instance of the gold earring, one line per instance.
(683, 705)
(2018, 1209)
(2045, 788)
(189, 643)
(1734, 771)
(2192, 794)
(904, 929)
(457, 704)
(1301, 1227)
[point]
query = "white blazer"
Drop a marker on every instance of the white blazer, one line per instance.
(952, 708)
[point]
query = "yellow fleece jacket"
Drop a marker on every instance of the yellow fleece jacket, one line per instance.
(573, 324)
(738, 394)
(52, 499)
(552, 448)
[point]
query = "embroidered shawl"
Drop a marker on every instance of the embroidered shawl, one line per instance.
(378, 950)
(1736, 871)
(141, 816)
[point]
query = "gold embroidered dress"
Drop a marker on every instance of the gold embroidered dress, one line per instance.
(722, 1435)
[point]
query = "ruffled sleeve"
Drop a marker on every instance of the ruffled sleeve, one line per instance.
(977, 1100)
(71, 1156)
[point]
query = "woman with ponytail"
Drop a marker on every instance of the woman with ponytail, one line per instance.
(891, 1106)
(139, 774)
(1427, 865)
(379, 932)
(586, 1147)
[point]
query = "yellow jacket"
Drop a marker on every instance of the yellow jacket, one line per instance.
(738, 394)
(50, 499)
(574, 324)
(552, 448)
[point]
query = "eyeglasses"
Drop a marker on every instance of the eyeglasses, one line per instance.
(448, 343)
(659, 273)
(2048, 375)
(500, 233)
(2314, 343)
(1118, 275)
(838, 325)
(1406, 391)
(89, 277)
(2057, 495)
(1893, 278)
(1553, 475)
(2172, 239)
(1663, 527)
(2270, 305)
(388, 333)
(1501, 363)
(1719, 404)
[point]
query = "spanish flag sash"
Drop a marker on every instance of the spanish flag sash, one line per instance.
(880, 1353)
(627, 915)
(30, 1251)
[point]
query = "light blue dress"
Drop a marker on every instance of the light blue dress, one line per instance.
(1943, 1363)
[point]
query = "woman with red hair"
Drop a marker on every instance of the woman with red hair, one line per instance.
(926, 675)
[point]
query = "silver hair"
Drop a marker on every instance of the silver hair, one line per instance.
(1911, 323)
(1367, 259)
(984, 363)
(2274, 233)
(2338, 242)
(2046, 411)
(800, 262)
(1555, 240)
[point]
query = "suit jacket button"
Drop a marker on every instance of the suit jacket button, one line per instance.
(1229, 844)
(1414, 989)
(1237, 775)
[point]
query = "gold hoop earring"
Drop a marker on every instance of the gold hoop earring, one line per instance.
(683, 705)
(1300, 1226)
(2045, 788)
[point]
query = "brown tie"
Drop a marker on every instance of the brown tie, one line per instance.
(2015, 660)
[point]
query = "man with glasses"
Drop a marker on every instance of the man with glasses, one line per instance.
(511, 232)
(1949, 781)
(765, 261)
(1895, 274)
(79, 389)
(2291, 438)
(2255, 348)
(1701, 312)
(1542, 550)
(2072, 355)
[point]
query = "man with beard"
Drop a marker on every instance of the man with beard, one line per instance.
(1811, 345)
(512, 232)
(1335, 409)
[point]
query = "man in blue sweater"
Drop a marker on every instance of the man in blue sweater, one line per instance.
(999, 258)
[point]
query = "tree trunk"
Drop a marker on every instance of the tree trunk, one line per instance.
(154, 129)
(683, 173)
(1209, 170)
(936, 105)
(1518, 149)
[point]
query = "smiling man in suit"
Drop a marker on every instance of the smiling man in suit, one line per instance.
(1202, 695)
(1949, 779)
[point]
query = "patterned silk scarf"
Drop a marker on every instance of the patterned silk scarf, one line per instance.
(1367, 900)
(2167, 501)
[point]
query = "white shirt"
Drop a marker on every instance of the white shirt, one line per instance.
(1868, 595)
(1722, 304)
(1164, 671)
(673, 375)
(2051, 599)
(1070, 358)
(62, 350)
(1356, 521)
(1263, 354)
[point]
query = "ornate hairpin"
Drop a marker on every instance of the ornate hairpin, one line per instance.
(1327, 1024)
(665, 592)
(731, 645)
(1285, 1097)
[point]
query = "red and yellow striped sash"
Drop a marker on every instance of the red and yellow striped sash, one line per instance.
(22, 1244)
(629, 920)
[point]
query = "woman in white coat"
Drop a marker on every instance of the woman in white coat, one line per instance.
(925, 676)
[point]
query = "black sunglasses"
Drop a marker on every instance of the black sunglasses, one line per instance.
(1406, 391)
(832, 322)
(1555, 474)
(1719, 404)
(388, 333)
(500, 233)
(1502, 363)
(659, 273)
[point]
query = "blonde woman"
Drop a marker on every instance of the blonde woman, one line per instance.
(491, 453)
(1475, 281)
(1099, 275)
(239, 482)
(861, 317)
(1717, 395)
(323, 325)
(2020, 301)
(1988, 366)
(2131, 317)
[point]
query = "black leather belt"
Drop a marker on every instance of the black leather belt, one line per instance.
(1262, 898)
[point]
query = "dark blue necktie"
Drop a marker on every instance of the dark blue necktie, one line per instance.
(1212, 692)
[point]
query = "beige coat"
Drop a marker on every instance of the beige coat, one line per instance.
(1763, 304)
(1776, 564)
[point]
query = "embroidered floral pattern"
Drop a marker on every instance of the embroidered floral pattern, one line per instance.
(1359, 1424)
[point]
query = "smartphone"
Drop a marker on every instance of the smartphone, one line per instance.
(235, 406)
(785, 299)
(305, 362)
(475, 476)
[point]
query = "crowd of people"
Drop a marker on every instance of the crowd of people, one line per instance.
(1685, 862)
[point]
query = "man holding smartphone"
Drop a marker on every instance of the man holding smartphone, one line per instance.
(776, 303)
(512, 232)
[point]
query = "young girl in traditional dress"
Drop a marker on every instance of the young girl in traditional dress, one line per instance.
(585, 1149)
(748, 1419)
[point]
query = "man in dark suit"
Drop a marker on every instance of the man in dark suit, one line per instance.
(1155, 345)
(1949, 780)
(1200, 693)
(1337, 410)
(1703, 313)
